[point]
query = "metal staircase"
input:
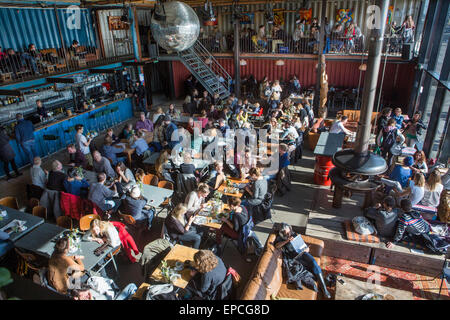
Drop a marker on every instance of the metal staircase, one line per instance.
(207, 70)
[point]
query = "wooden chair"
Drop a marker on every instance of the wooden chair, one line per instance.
(40, 211)
(33, 202)
(127, 218)
(150, 179)
(10, 202)
(64, 222)
(26, 262)
(167, 203)
(85, 221)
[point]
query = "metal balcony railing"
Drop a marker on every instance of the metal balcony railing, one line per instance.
(29, 65)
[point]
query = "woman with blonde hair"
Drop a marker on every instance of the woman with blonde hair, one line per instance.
(415, 191)
(208, 275)
(433, 190)
(179, 226)
(104, 232)
(195, 200)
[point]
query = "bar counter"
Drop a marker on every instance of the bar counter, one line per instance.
(54, 136)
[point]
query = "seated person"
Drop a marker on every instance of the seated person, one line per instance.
(114, 153)
(56, 177)
(171, 138)
(76, 157)
(283, 241)
(101, 164)
(114, 138)
(172, 111)
(420, 162)
(289, 129)
(179, 226)
(216, 176)
(399, 177)
(127, 131)
(195, 200)
(60, 264)
(245, 163)
(433, 190)
(256, 190)
(104, 232)
(159, 112)
(384, 216)
(410, 223)
(208, 273)
(101, 195)
(339, 126)
(136, 205)
(38, 175)
(144, 124)
(75, 184)
(125, 177)
(238, 218)
(141, 146)
(187, 167)
(414, 192)
(203, 118)
(163, 166)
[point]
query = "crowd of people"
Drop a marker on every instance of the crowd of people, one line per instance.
(339, 38)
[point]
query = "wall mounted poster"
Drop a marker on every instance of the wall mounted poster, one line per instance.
(278, 17)
(344, 16)
(247, 18)
(305, 14)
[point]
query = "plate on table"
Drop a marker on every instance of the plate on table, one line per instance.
(200, 220)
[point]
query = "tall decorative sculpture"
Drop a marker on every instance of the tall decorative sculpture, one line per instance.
(323, 88)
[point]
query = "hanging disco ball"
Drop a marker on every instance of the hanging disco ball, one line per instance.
(175, 26)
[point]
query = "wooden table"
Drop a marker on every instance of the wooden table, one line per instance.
(210, 223)
(178, 253)
(129, 151)
(233, 180)
(354, 289)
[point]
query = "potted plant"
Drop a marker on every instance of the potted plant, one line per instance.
(74, 241)
(165, 271)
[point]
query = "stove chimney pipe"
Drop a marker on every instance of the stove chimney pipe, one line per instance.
(376, 22)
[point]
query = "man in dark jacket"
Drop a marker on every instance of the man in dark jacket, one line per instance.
(56, 177)
(171, 138)
(25, 136)
(101, 195)
(410, 223)
(136, 206)
(385, 217)
(139, 94)
(7, 154)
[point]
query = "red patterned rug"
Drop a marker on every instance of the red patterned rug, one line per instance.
(422, 287)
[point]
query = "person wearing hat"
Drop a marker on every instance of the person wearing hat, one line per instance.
(135, 205)
(399, 177)
(171, 138)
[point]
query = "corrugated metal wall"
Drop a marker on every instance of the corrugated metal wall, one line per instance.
(397, 80)
(21, 26)
(117, 42)
(401, 9)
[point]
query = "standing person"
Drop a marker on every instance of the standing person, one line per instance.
(40, 110)
(413, 130)
(383, 119)
(387, 138)
(139, 95)
(398, 117)
(261, 36)
(25, 136)
(83, 144)
(7, 155)
(276, 94)
(408, 28)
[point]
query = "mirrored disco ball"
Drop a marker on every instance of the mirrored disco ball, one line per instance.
(180, 29)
